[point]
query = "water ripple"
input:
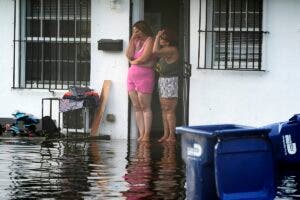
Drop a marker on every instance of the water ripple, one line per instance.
(101, 170)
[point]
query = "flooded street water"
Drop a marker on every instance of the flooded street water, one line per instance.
(101, 169)
(90, 170)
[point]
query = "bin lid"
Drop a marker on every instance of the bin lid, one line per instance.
(222, 130)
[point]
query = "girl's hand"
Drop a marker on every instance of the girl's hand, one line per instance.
(133, 41)
(135, 33)
(133, 36)
(160, 33)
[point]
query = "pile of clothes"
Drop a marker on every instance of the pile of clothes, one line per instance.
(24, 125)
(77, 98)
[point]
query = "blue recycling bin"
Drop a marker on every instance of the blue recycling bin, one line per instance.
(285, 137)
(203, 151)
(244, 165)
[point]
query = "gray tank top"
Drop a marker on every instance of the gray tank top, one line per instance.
(167, 70)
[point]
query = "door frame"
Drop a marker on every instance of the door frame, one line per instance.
(185, 13)
(136, 14)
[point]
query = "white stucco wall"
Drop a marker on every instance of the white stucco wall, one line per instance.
(110, 23)
(251, 98)
(13, 99)
(107, 23)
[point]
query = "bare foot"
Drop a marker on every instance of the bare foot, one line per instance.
(145, 138)
(171, 139)
(140, 138)
(163, 138)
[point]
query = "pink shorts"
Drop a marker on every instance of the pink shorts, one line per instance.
(140, 79)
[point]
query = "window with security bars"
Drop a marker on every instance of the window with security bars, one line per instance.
(54, 44)
(230, 34)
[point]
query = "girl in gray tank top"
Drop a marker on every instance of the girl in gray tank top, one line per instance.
(168, 69)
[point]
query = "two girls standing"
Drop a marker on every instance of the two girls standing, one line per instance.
(142, 53)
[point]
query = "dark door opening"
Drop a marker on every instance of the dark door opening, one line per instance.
(159, 14)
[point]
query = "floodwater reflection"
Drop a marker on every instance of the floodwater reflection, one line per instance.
(155, 172)
(288, 184)
(90, 170)
(102, 169)
(139, 174)
(167, 182)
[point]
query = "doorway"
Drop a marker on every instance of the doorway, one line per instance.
(160, 14)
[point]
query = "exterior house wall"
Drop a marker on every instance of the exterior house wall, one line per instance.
(251, 98)
(107, 23)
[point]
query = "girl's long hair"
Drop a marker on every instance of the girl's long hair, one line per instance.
(170, 36)
(144, 27)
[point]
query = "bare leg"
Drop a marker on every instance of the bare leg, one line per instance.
(165, 122)
(138, 113)
(145, 103)
(170, 109)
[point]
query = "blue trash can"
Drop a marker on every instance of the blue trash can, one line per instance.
(285, 137)
(199, 155)
(244, 165)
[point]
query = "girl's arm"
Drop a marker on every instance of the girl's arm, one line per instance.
(131, 48)
(166, 51)
(147, 53)
(156, 46)
(163, 51)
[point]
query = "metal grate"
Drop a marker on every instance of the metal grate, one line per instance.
(73, 121)
(230, 35)
(52, 44)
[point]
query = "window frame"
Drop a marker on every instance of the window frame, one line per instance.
(207, 37)
(81, 42)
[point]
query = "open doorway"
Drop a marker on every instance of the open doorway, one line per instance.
(160, 14)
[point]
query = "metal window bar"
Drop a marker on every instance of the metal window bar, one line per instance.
(212, 35)
(30, 33)
(49, 44)
(254, 35)
(80, 47)
(241, 26)
(232, 33)
(14, 45)
(38, 56)
(74, 40)
(219, 34)
(247, 30)
(199, 32)
(87, 36)
(260, 3)
(56, 44)
(206, 27)
(61, 55)
(50, 52)
(233, 28)
(68, 41)
(44, 45)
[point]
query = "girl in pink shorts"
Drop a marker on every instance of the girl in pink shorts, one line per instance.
(140, 78)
